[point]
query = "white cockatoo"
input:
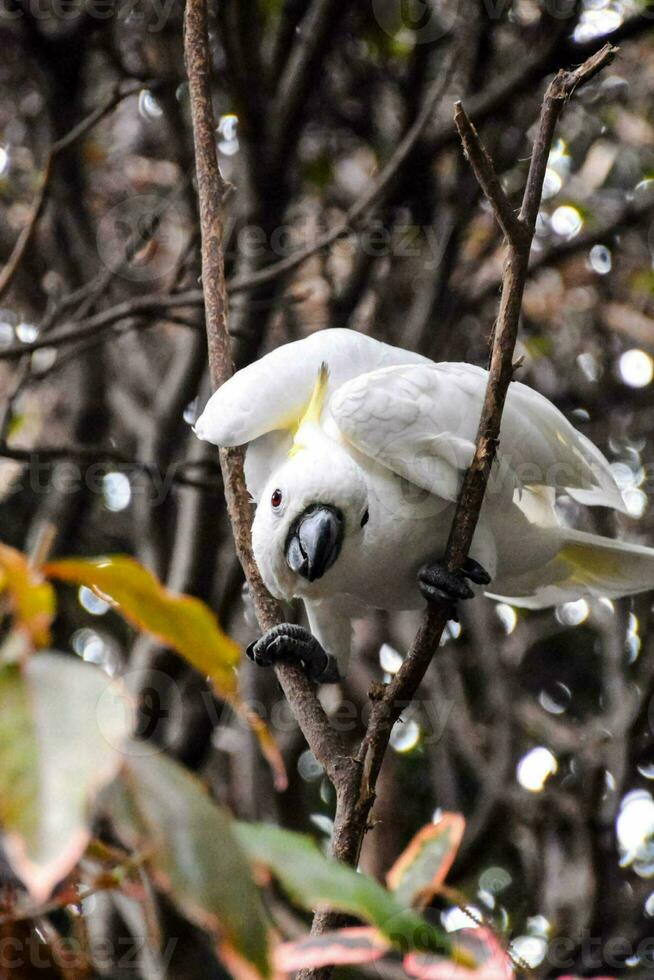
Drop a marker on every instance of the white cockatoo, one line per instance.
(356, 455)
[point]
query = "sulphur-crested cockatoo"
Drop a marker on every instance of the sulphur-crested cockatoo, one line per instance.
(356, 454)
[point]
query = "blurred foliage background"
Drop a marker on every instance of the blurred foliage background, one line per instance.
(537, 727)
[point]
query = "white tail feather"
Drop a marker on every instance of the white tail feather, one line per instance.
(587, 566)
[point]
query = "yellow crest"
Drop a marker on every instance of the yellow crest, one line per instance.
(313, 411)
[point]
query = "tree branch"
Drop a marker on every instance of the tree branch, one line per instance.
(481, 163)
(324, 742)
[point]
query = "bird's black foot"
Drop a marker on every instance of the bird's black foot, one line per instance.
(294, 644)
(437, 583)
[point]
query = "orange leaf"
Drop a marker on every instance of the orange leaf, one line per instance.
(31, 598)
(267, 743)
(422, 867)
(180, 621)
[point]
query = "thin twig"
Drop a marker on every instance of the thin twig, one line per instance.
(22, 242)
(484, 170)
(96, 324)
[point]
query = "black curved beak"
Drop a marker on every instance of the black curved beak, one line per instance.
(315, 540)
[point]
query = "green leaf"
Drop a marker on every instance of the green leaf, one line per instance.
(197, 857)
(483, 948)
(422, 867)
(62, 727)
(312, 879)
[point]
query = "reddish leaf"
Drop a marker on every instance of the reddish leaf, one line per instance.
(360, 944)
(422, 867)
(493, 963)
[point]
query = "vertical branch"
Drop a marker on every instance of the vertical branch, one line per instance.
(323, 740)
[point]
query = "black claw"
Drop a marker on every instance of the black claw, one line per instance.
(257, 654)
(475, 572)
(437, 582)
(433, 594)
(330, 674)
(450, 584)
(293, 643)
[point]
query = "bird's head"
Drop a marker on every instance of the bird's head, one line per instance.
(312, 511)
(310, 515)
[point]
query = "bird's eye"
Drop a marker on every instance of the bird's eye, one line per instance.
(365, 518)
(276, 499)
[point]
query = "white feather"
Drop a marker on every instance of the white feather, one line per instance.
(586, 565)
(421, 421)
(272, 392)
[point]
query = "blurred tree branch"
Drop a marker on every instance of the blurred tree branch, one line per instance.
(121, 91)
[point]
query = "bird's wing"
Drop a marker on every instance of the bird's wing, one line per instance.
(421, 422)
(272, 393)
(263, 403)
